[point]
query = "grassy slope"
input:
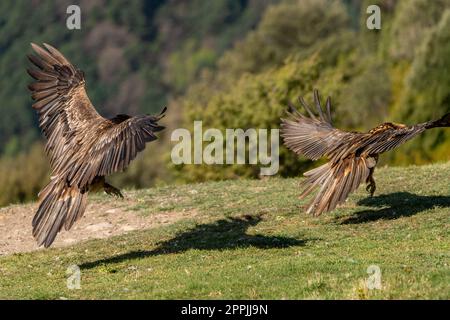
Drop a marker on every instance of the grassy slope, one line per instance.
(250, 239)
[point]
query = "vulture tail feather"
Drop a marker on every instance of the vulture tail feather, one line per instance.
(59, 206)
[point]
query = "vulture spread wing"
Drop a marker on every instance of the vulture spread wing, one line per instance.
(114, 148)
(389, 136)
(81, 144)
(315, 137)
(64, 109)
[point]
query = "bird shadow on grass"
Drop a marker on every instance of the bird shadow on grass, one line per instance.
(229, 233)
(394, 206)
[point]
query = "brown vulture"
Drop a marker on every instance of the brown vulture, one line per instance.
(83, 147)
(352, 156)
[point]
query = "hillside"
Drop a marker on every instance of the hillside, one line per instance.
(230, 64)
(242, 239)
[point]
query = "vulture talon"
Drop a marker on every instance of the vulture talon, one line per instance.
(370, 188)
(112, 191)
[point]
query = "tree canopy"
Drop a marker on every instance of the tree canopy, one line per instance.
(231, 64)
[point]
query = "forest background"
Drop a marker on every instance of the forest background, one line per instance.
(231, 64)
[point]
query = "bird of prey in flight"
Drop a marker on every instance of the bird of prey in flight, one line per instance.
(352, 156)
(83, 147)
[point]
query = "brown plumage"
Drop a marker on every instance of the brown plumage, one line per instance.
(352, 155)
(83, 147)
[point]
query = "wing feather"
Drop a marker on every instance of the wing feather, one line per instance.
(115, 147)
(392, 138)
(315, 137)
(61, 102)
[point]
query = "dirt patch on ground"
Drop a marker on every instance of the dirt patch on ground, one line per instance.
(99, 221)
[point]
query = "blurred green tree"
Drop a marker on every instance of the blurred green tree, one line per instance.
(427, 96)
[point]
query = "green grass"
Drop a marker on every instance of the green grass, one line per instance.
(251, 240)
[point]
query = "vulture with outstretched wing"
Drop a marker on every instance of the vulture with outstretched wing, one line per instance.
(83, 147)
(352, 155)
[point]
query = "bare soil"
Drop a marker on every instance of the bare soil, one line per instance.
(101, 220)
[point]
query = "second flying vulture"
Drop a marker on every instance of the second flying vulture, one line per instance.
(352, 155)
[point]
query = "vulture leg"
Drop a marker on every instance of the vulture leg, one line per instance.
(111, 190)
(99, 183)
(371, 186)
